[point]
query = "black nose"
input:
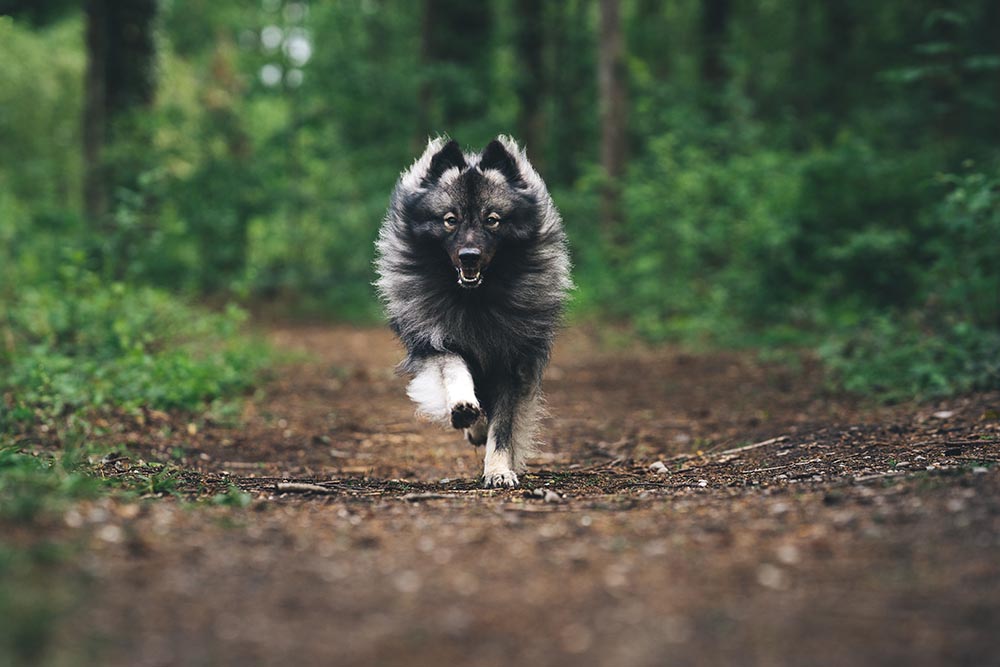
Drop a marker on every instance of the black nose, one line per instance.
(469, 256)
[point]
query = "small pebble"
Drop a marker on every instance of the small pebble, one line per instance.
(779, 508)
(73, 519)
(407, 581)
(771, 576)
(659, 468)
(788, 554)
(576, 638)
(110, 533)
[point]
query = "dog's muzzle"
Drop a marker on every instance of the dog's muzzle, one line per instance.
(470, 270)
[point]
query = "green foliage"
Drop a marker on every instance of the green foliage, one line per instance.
(950, 341)
(890, 271)
(232, 497)
(965, 277)
(33, 485)
(79, 345)
(158, 481)
(701, 228)
(41, 88)
(34, 595)
(905, 356)
(36, 586)
(34, 592)
(786, 196)
(854, 234)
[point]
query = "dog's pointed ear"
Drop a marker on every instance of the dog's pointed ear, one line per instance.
(496, 156)
(449, 156)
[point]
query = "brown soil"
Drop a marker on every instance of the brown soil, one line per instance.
(843, 535)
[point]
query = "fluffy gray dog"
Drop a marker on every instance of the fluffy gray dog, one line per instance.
(474, 272)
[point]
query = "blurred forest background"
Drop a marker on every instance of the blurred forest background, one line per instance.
(809, 174)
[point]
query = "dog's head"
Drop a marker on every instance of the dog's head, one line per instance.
(471, 205)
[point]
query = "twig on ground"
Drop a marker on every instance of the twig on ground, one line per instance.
(952, 443)
(301, 487)
(781, 467)
(879, 475)
(418, 497)
(763, 443)
(730, 452)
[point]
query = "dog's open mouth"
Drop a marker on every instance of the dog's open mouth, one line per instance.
(470, 278)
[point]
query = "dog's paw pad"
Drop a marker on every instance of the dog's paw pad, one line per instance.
(464, 415)
(499, 480)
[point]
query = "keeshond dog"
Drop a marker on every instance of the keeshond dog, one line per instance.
(474, 272)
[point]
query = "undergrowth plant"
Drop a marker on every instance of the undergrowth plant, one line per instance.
(81, 346)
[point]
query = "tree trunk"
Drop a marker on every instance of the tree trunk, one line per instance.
(120, 81)
(120, 78)
(131, 55)
(95, 110)
(611, 85)
(571, 136)
(455, 45)
(714, 19)
(530, 83)
(425, 94)
(714, 23)
(835, 55)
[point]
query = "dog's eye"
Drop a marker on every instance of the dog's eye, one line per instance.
(449, 222)
(493, 221)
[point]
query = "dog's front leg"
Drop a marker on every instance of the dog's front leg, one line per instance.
(443, 389)
(460, 391)
(511, 431)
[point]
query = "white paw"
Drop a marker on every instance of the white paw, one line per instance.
(499, 479)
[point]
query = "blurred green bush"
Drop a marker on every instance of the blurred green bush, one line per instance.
(889, 271)
(75, 345)
(948, 340)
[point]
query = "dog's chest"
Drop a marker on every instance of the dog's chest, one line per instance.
(488, 337)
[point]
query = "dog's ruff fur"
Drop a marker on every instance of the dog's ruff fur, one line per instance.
(476, 355)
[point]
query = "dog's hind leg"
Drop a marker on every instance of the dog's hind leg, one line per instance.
(478, 432)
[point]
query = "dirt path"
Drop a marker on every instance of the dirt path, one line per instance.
(847, 536)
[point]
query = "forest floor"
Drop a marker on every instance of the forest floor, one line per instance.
(782, 525)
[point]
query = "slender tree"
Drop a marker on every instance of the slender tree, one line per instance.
(120, 79)
(425, 94)
(456, 54)
(714, 23)
(531, 83)
(572, 134)
(611, 85)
